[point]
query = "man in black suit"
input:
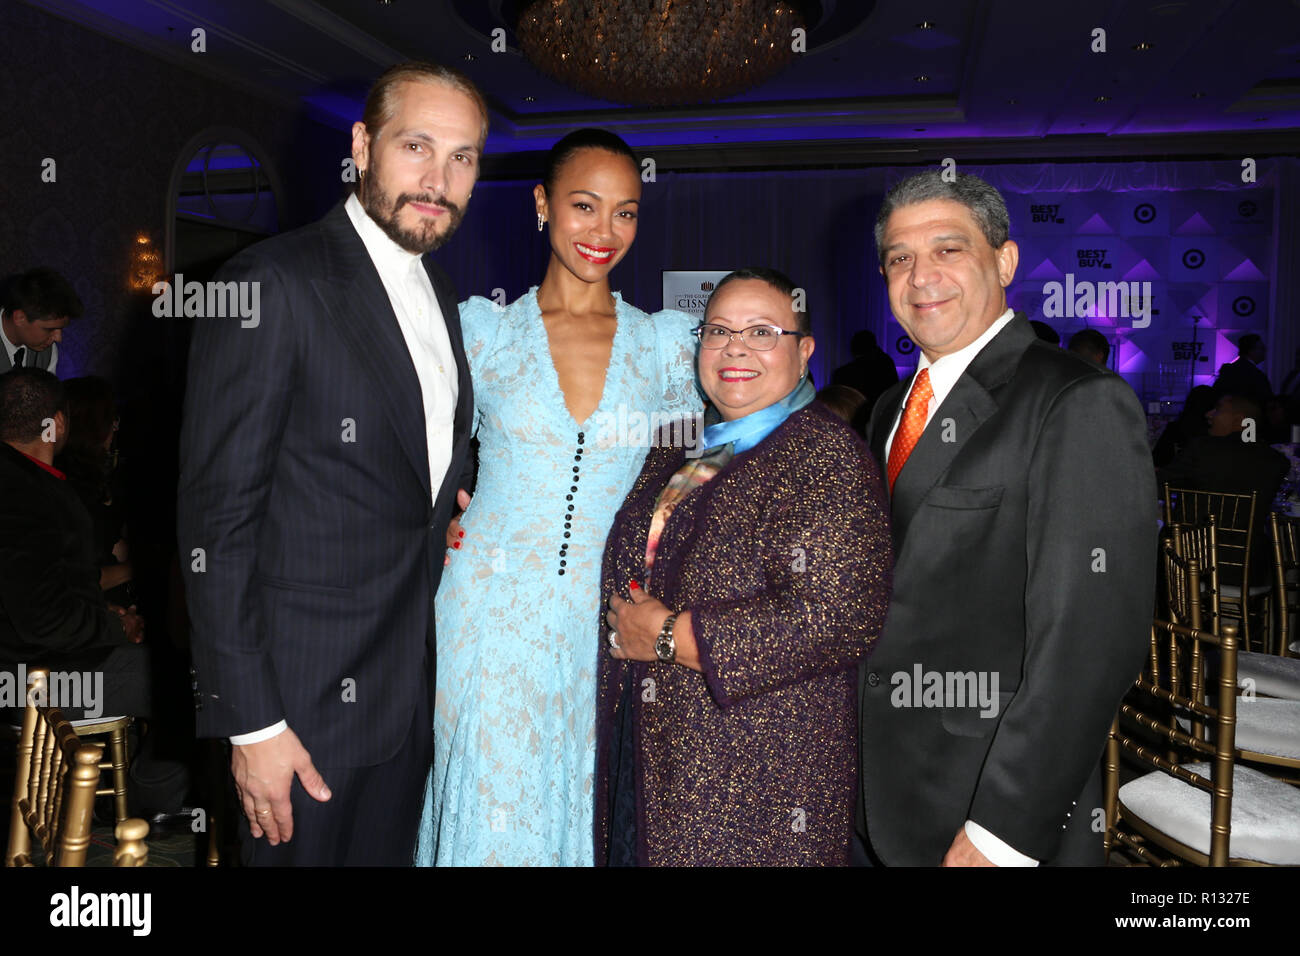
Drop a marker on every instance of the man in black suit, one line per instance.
(323, 445)
(1243, 375)
(1024, 524)
(52, 611)
(1233, 457)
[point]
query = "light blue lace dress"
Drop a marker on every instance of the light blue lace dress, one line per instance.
(518, 608)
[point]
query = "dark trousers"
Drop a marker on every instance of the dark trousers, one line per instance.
(371, 819)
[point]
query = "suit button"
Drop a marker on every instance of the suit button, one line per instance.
(873, 679)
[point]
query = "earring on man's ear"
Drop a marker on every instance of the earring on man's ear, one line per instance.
(541, 221)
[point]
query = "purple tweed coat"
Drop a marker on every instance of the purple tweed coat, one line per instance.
(784, 562)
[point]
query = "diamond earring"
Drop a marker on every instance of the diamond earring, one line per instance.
(540, 222)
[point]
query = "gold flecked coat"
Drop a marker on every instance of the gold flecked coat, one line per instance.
(784, 562)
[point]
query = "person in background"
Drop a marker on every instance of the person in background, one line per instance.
(1234, 457)
(1046, 333)
(870, 373)
(1191, 423)
(52, 610)
(847, 403)
(1243, 377)
(88, 461)
(35, 308)
(1092, 345)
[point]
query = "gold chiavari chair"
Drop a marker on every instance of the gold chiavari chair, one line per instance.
(1206, 810)
(1233, 516)
(54, 790)
(1276, 675)
(1192, 603)
(1286, 573)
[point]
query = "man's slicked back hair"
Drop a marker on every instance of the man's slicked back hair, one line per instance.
(984, 202)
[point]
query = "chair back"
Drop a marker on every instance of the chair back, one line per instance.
(1192, 603)
(1285, 531)
(54, 784)
(1233, 516)
(54, 790)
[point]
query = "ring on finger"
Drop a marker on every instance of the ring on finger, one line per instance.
(613, 641)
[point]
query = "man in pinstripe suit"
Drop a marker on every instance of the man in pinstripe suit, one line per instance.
(322, 449)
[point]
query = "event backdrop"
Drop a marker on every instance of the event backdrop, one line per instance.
(1195, 248)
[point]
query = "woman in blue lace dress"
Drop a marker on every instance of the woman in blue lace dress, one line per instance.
(571, 384)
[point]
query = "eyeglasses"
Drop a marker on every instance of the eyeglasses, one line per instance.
(760, 338)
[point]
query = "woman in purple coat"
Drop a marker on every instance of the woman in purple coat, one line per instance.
(743, 585)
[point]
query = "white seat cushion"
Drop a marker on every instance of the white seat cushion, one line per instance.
(94, 720)
(1265, 813)
(1273, 676)
(1269, 726)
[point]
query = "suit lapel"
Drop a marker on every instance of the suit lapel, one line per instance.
(970, 403)
(359, 308)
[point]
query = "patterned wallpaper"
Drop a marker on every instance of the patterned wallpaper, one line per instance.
(114, 119)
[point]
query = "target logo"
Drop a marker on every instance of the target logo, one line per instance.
(904, 345)
(1247, 208)
(1144, 212)
(1243, 305)
(1193, 258)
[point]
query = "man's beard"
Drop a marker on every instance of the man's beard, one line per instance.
(419, 240)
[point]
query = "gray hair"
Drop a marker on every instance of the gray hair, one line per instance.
(984, 202)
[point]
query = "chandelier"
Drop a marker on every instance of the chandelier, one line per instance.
(661, 52)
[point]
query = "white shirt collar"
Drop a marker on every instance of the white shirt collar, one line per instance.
(389, 258)
(10, 348)
(945, 370)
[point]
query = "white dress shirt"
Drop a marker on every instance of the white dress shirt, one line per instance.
(425, 330)
(944, 373)
(11, 349)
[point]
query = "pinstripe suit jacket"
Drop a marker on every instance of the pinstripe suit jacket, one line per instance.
(311, 544)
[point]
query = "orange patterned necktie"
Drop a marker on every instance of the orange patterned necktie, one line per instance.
(910, 428)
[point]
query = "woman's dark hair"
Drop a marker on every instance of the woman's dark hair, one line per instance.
(777, 280)
(579, 139)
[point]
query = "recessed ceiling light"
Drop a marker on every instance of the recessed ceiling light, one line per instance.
(469, 58)
(530, 99)
(925, 25)
(1102, 99)
(1013, 101)
(1198, 95)
(922, 78)
(1142, 47)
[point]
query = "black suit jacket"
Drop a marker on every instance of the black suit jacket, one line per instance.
(1031, 478)
(52, 611)
(311, 546)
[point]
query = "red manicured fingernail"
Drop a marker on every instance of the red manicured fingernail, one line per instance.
(460, 534)
(633, 586)
(456, 545)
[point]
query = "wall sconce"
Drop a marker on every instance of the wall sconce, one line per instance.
(146, 264)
